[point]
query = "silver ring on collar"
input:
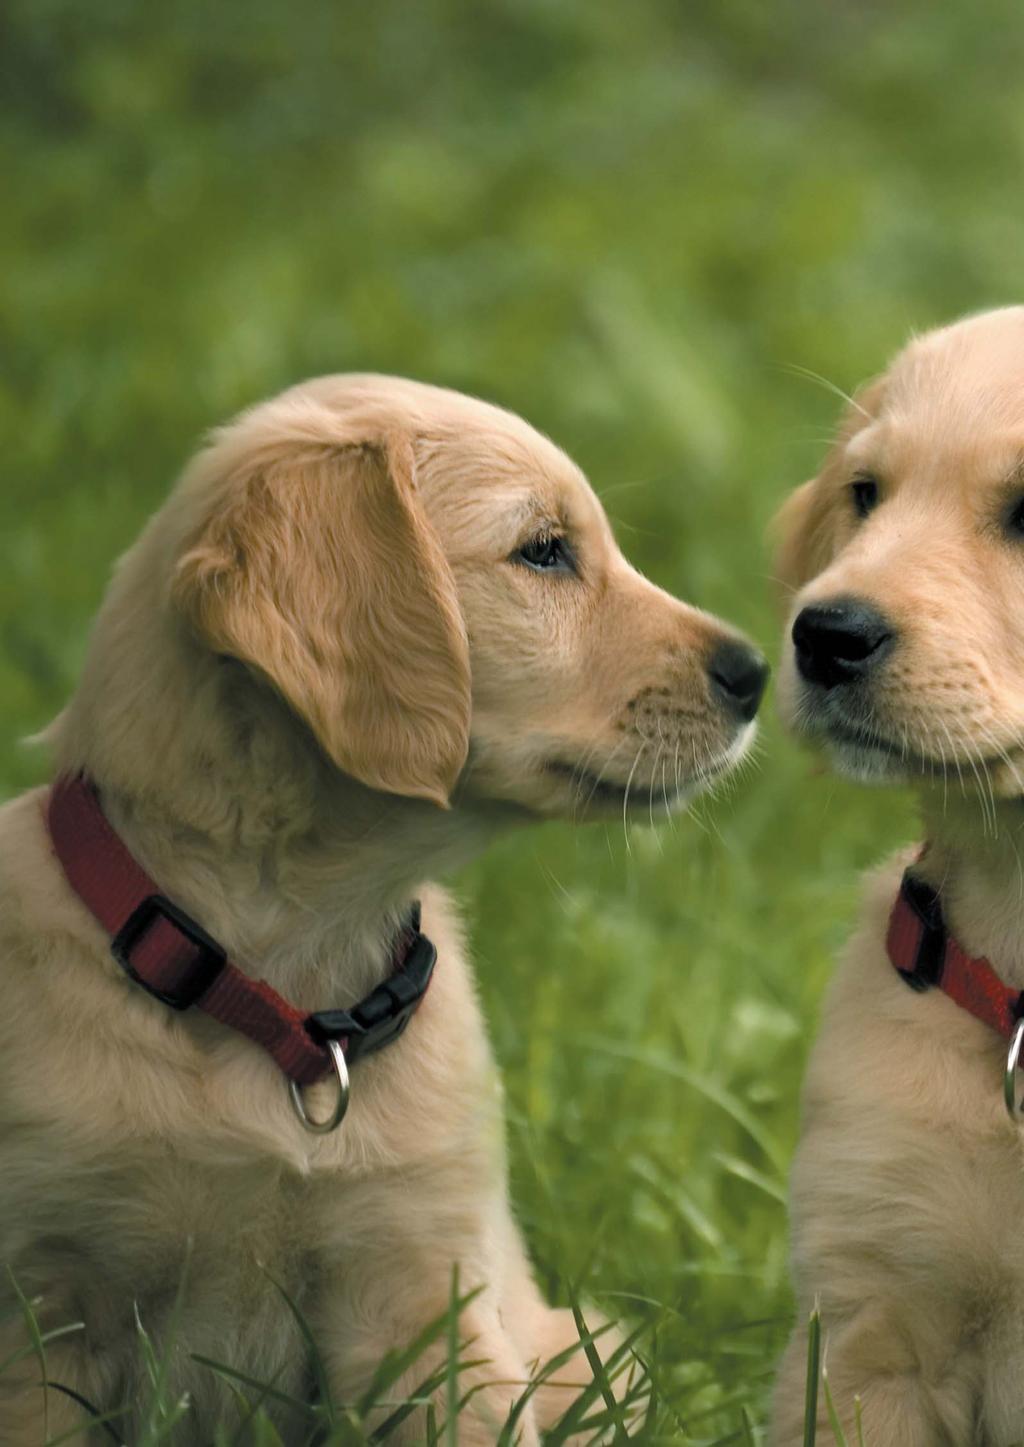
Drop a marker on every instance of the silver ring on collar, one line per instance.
(1010, 1074)
(324, 1127)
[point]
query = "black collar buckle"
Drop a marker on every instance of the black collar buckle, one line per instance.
(210, 957)
(931, 949)
(381, 1017)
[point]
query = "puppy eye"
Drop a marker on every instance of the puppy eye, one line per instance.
(546, 554)
(1015, 520)
(865, 495)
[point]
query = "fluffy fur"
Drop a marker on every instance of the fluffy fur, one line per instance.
(320, 674)
(908, 1187)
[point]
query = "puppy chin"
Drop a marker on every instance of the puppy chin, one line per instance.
(864, 765)
(577, 794)
(1008, 778)
(681, 795)
(823, 727)
(548, 781)
(739, 748)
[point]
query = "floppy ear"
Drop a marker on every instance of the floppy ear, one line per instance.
(318, 569)
(802, 527)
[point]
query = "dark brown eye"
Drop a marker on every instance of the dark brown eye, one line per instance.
(865, 495)
(546, 554)
(1015, 519)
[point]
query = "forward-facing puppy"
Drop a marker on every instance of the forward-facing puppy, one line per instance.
(906, 662)
(375, 623)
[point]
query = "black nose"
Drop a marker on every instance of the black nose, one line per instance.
(839, 642)
(738, 675)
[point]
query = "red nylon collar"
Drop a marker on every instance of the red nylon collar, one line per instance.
(165, 952)
(924, 953)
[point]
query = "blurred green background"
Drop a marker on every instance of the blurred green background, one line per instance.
(635, 224)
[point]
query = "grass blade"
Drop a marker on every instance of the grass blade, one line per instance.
(270, 1392)
(597, 1367)
(315, 1358)
(749, 1431)
(813, 1365)
(37, 1346)
(833, 1415)
(395, 1364)
(451, 1426)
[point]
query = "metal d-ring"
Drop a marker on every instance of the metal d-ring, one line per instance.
(324, 1127)
(1010, 1074)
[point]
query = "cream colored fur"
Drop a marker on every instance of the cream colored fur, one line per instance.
(908, 1186)
(320, 678)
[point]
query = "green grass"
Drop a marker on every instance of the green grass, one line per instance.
(634, 224)
(617, 1399)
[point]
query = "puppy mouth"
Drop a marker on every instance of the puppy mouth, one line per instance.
(868, 755)
(866, 752)
(595, 788)
(664, 789)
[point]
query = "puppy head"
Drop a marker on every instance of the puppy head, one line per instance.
(905, 640)
(434, 590)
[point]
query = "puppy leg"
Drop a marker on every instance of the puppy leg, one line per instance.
(542, 1333)
(902, 1403)
(367, 1318)
(554, 1332)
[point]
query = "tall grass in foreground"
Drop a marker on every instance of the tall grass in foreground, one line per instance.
(615, 1396)
(619, 1397)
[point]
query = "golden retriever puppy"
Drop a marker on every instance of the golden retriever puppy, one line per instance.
(906, 662)
(376, 623)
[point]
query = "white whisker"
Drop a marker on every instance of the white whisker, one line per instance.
(798, 371)
(625, 797)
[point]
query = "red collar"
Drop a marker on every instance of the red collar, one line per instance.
(172, 958)
(925, 954)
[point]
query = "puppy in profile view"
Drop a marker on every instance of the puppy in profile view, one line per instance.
(905, 662)
(375, 624)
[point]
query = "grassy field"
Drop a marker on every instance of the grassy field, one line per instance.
(641, 226)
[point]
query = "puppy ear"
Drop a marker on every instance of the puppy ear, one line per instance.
(318, 569)
(803, 526)
(800, 529)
